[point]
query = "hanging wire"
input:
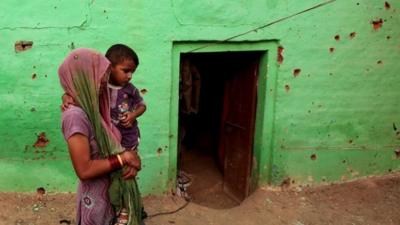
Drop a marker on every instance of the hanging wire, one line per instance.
(264, 26)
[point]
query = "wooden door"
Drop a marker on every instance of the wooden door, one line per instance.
(238, 121)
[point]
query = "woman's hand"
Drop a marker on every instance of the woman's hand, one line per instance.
(132, 164)
(132, 159)
(129, 172)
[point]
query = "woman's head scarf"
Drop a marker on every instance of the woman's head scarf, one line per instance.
(84, 76)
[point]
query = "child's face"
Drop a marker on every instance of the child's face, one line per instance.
(121, 73)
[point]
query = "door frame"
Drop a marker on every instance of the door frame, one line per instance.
(266, 94)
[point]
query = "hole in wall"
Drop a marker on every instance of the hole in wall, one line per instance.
(280, 54)
(377, 24)
(40, 192)
(143, 91)
(296, 72)
(41, 141)
(313, 157)
(159, 151)
(287, 87)
(387, 5)
(21, 46)
(71, 46)
(397, 153)
(286, 183)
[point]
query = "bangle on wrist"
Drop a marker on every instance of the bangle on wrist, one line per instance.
(114, 163)
(120, 160)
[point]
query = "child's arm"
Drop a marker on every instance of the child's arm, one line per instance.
(66, 102)
(139, 108)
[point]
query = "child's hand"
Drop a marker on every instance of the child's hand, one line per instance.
(66, 102)
(128, 118)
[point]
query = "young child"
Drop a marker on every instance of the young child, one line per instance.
(126, 104)
(125, 101)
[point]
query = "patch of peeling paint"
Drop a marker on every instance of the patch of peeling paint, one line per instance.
(41, 141)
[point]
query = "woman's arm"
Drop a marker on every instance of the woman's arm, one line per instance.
(86, 168)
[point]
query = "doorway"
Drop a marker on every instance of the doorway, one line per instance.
(216, 123)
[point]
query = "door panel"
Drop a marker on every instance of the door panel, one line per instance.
(237, 134)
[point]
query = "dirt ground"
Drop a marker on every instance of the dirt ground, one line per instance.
(368, 201)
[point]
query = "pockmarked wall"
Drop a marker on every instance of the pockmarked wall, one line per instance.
(335, 114)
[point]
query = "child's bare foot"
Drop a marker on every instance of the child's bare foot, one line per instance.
(122, 217)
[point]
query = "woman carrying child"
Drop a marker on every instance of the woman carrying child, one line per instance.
(93, 142)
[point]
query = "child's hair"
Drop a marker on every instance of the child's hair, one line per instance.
(120, 52)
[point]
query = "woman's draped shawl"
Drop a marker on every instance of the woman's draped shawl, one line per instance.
(84, 76)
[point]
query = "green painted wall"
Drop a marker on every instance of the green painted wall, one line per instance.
(343, 105)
